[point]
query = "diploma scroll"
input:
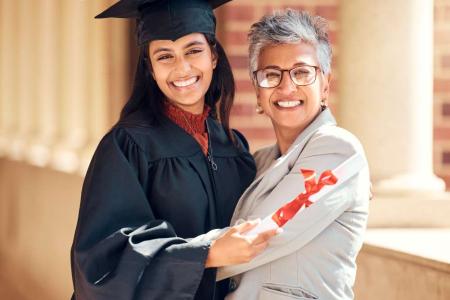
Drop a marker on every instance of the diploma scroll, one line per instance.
(328, 182)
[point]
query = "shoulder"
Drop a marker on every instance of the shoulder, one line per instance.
(118, 139)
(334, 139)
(330, 146)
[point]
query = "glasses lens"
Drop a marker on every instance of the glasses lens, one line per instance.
(268, 77)
(303, 75)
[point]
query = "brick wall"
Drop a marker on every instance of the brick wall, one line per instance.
(235, 20)
(442, 89)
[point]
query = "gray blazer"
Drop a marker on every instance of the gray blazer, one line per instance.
(314, 258)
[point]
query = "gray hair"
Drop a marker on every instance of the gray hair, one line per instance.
(288, 27)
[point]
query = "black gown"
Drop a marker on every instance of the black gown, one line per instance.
(148, 190)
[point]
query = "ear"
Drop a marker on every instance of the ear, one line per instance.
(325, 90)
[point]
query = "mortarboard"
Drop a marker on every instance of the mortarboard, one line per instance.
(166, 19)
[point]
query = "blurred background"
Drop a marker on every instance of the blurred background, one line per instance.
(64, 77)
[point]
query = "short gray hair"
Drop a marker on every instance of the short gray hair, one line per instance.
(288, 27)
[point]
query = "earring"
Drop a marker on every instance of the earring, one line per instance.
(259, 109)
(323, 104)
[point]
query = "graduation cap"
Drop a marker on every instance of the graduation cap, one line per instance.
(166, 19)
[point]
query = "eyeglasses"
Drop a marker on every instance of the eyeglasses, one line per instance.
(272, 77)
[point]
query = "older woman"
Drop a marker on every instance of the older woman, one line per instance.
(314, 258)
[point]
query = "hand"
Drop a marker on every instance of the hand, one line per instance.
(235, 248)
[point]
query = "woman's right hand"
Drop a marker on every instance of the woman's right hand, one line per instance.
(233, 247)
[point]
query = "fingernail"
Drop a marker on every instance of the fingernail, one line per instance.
(280, 230)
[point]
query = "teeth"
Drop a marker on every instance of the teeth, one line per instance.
(184, 83)
(289, 103)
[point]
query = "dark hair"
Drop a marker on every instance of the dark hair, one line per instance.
(147, 96)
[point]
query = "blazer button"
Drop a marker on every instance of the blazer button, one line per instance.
(233, 285)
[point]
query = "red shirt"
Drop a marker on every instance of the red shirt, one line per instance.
(191, 123)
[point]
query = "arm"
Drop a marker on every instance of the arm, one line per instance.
(120, 250)
(321, 153)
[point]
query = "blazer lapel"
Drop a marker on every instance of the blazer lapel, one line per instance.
(282, 165)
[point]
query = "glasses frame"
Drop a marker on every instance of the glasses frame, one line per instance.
(290, 75)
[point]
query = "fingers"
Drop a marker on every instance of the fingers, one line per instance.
(258, 249)
(264, 236)
(246, 226)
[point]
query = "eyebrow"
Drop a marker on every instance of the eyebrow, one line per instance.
(299, 64)
(193, 43)
(160, 50)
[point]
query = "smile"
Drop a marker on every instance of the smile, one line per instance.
(289, 103)
(185, 83)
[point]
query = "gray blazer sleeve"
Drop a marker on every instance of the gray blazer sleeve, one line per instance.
(323, 152)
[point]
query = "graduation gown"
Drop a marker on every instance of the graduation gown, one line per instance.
(148, 190)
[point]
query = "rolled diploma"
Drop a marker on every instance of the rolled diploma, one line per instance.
(343, 172)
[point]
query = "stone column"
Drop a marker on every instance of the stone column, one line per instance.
(73, 99)
(107, 75)
(46, 77)
(98, 81)
(23, 83)
(8, 71)
(386, 89)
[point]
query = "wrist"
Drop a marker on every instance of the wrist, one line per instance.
(210, 259)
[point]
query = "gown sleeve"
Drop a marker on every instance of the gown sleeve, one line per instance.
(118, 238)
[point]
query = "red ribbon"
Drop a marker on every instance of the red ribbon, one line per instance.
(288, 211)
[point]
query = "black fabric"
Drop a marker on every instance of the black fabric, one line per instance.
(166, 19)
(147, 190)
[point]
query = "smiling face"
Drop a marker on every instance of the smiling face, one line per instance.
(289, 106)
(183, 70)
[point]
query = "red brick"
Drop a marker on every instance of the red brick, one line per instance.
(446, 158)
(446, 109)
(243, 109)
(333, 37)
(329, 12)
(236, 37)
(244, 86)
(238, 61)
(334, 87)
(334, 81)
(296, 7)
(445, 61)
(441, 14)
(442, 37)
(258, 132)
(441, 133)
(268, 9)
(334, 63)
(240, 13)
(441, 85)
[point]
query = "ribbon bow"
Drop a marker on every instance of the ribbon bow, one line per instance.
(289, 210)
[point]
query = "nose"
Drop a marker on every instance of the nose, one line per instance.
(182, 66)
(286, 84)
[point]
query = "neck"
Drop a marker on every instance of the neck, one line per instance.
(196, 108)
(285, 137)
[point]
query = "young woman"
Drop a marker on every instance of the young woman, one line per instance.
(168, 171)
